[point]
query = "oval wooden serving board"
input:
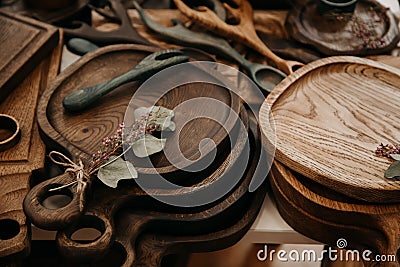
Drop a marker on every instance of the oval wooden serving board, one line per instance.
(326, 216)
(329, 117)
(81, 134)
(18, 163)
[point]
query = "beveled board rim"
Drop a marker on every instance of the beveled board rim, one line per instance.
(74, 152)
(384, 191)
(290, 179)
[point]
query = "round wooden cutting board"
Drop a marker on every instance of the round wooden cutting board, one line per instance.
(81, 133)
(327, 119)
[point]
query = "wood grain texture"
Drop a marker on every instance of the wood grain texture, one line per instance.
(333, 37)
(326, 216)
(28, 155)
(328, 119)
(26, 42)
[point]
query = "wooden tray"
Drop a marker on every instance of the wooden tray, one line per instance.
(81, 134)
(334, 37)
(326, 216)
(25, 43)
(329, 117)
(18, 162)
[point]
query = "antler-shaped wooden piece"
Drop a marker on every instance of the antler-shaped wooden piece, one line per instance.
(124, 34)
(244, 31)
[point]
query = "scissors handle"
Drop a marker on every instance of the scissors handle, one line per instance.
(49, 218)
(84, 97)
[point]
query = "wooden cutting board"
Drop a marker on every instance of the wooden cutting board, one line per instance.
(25, 43)
(81, 133)
(329, 117)
(18, 162)
(325, 215)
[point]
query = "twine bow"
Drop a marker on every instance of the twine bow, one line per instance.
(78, 170)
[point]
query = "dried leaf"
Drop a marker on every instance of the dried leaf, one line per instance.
(161, 115)
(393, 170)
(118, 170)
(147, 146)
(395, 156)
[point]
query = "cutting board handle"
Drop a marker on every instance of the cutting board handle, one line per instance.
(46, 217)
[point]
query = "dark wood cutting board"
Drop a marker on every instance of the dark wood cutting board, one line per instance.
(166, 228)
(81, 133)
(24, 43)
(325, 215)
(153, 247)
(18, 162)
(328, 119)
(227, 226)
(121, 253)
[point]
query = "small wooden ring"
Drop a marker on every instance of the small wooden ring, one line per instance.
(9, 123)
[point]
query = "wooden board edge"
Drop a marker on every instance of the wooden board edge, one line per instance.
(46, 41)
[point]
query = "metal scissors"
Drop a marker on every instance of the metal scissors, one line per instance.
(266, 77)
(241, 28)
(84, 97)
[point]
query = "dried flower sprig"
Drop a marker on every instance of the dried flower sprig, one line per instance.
(109, 147)
(108, 162)
(363, 28)
(366, 28)
(387, 150)
(391, 152)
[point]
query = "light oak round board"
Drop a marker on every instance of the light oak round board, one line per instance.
(327, 119)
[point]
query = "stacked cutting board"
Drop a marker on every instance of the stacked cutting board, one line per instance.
(325, 122)
(29, 61)
(131, 223)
